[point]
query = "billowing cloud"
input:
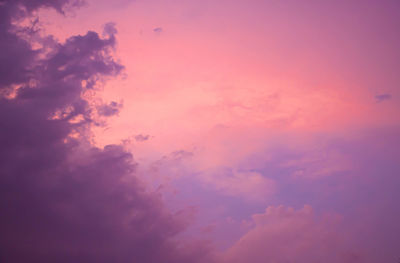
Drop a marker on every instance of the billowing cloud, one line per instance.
(287, 235)
(62, 199)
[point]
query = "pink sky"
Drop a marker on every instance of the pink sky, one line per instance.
(249, 108)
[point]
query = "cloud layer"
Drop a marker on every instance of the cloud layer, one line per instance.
(238, 113)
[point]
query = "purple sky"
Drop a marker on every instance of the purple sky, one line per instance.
(199, 131)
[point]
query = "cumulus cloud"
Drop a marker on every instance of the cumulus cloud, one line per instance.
(285, 235)
(62, 199)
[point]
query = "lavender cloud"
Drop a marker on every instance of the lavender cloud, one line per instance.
(158, 30)
(382, 97)
(142, 138)
(62, 199)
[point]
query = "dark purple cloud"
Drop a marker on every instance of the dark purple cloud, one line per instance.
(109, 109)
(61, 199)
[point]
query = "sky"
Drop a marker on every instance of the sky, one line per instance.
(263, 131)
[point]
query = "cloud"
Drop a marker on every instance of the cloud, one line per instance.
(182, 165)
(62, 199)
(249, 185)
(142, 138)
(382, 97)
(109, 109)
(363, 170)
(283, 234)
(158, 30)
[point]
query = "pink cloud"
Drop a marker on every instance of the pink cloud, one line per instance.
(283, 234)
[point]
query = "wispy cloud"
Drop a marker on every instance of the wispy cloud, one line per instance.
(158, 30)
(382, 97)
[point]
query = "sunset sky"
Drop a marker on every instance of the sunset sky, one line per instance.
(264, 131)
